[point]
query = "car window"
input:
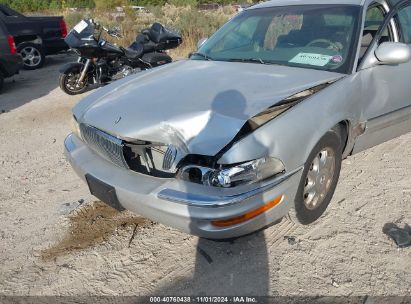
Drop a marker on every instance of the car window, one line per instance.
(337, 20)
(404, 19)
(309, 36)
(374, 16)
(5, 12)
(374, 19)
(248, 29)
(289, 24)
(291, 27)
(242, 34)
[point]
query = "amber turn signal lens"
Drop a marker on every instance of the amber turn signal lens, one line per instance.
(249, 215)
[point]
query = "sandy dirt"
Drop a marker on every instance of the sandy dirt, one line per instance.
(56, 239)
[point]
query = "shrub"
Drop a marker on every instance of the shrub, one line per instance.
(189, 21)
(108, 4)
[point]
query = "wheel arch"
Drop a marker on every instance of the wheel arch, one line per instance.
(28, 39)
(344, 129)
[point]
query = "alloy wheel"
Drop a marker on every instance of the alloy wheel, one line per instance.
(31, 56)
(319, 178)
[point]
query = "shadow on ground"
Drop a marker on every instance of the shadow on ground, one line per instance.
(232, 268)
(30, 85)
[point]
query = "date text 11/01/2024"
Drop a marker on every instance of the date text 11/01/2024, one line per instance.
(204, 299)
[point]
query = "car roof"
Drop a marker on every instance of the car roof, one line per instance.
(273, 3)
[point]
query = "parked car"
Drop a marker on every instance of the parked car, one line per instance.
(254, 126)
(10, 61)
(139, 9)
(209, 6)
(240, 7)
(35, 37)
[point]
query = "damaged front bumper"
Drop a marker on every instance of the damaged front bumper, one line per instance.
(187, 206)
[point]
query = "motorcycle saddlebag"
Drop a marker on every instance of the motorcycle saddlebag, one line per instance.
(156, 59)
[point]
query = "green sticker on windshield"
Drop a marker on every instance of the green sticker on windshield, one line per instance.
(311, 59)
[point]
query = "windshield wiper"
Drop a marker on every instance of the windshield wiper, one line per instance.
(206, 57)
(251, 60)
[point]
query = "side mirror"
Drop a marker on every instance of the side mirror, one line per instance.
(393, 53)
(201, 42)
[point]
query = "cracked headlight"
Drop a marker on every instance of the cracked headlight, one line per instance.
(75, 127)
(230, 176)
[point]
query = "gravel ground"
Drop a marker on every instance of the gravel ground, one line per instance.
(56, 239)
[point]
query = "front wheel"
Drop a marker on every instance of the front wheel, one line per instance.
(319, 179)
(69, 82)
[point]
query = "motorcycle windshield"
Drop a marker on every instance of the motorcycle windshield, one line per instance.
(81, 34)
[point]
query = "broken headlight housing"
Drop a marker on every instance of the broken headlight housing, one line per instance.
(230, 176)
(75, 127)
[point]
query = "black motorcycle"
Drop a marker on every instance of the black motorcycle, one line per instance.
(101, 62)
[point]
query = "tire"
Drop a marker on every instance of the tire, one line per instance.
(67, 79)
(1, 81)
(32, 54)
(319, 180)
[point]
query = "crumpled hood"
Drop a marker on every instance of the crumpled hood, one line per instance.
(196, 105)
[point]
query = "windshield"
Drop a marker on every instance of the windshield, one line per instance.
(308, 36)
(85, 28)
(81, 34)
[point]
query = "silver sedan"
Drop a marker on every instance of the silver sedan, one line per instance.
(254, 126)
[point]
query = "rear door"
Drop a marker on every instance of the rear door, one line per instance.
(386, 90)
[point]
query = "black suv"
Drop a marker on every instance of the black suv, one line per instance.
(35, 37)
(10, 60)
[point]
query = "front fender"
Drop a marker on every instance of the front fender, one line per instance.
(291, 136)
(70, 67)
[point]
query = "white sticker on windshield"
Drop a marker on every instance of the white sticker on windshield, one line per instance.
(81, 26)
(311, 59)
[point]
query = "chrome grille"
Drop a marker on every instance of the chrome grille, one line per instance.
(169, 157)
(108, 146)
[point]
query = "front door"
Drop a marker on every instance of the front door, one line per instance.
(386, 89)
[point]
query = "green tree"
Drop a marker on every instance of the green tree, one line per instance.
(183, 2)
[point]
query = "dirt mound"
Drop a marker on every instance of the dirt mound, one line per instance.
(92, 224)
